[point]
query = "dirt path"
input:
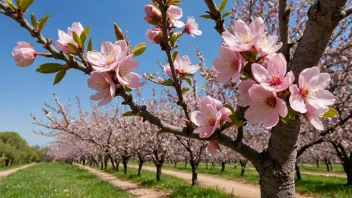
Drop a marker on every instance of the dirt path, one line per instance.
(10, 171)
(133, 188)
(229, 186)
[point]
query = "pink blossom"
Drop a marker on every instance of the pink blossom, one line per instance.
(273, 77)
(125, 74)
(225, 112)
(65, 38)
(153, 15)
(183, 66)
(174, 13)
(313, 115)
(244, 37)
(109, 57)
(24, 54)
(243, 87)
(154, 35)
(228, 67)
(207, 119)
(213, 147)
(103, 84)
(268, 45)
(266, 107)
(192, 27)
(311, 94)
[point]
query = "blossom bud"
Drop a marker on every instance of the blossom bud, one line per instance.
(24, 54)
(155, 35)
(153, 14)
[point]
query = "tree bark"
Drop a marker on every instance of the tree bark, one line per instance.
(317, 163)
(101, 164)
(298, 172)
(327, 166)
(117, 162)
(223, 166)
(348, 170)
(140, 165)
(331, 166)
(112, 163)
(175, 164)
(158, 171)
(194, 175)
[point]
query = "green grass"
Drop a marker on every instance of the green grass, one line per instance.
(179, 187)
(56, 180)
(337, 168)
(310, 184)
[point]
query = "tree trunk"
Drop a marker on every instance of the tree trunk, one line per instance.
(112, 163)
(298, 172)
(186, 162)
(243, 166)
(212, 165)
(158, 171)
(84, 162)
(124, 167)
(194, 173)
(330, 166)
(106, 163)
(117, 162)
(175, 164)
(277, 163)
(348, 170)
(101, 164)
(243, 170)
(317, 163)
(223, 166)
(327, 166)
(140, 165)
(206, 164)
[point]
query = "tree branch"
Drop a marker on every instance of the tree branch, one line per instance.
(348, 11)
(216, 16)
(284, 17)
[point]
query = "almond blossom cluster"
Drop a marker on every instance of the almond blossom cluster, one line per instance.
(174, 14)
(266, 87)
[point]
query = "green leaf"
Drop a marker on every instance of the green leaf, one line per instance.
(42, 22)
(118, 32)
(59, 76)
(175, 2)
(13, 6)
(49, 68)
(226, 14)
(24, 4)
(73, 47)
(174, 55)
(76, 38)
(128, 113)
(236, 121)
(33, 20)
(168, 82)
(222, 5)
(291, 115)
(206, 16)
(230, 107)
(139, 49)
(330, 113)
(127, 89)
(189, 81)
(90, 45)
(184, 89)
(84, 35)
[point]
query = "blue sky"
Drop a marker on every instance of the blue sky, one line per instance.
(25, 91)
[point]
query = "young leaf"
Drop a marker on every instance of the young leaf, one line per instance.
(230, 107)
(33, 20)
(139, 49)
(168, 82)
(42, 22)
(13, 6)
(49, 68)
(174, 55)
(128, 113)
(226, 14)
(330, 113)
(237, 122)
(185, 89)
(84, 35)
(206, 16)
(222, 5)
(118, 32)
(59, 76)
(24, 5)
(73, 47)
(187, 80)
(175, 2)
(90, 45)
(76, 38)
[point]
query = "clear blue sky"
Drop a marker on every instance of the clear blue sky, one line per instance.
(25, 91)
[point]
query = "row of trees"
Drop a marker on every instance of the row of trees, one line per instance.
(15, 150)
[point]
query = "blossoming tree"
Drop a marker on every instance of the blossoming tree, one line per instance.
(276, 88)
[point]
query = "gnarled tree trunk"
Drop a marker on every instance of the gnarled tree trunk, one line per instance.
(140, 165)
(298, 172)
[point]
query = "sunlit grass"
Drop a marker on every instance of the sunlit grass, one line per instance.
(56, 180)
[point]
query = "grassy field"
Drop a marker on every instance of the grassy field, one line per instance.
(56, 180)
(179, 187)
(337, 168)
(310, 184)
